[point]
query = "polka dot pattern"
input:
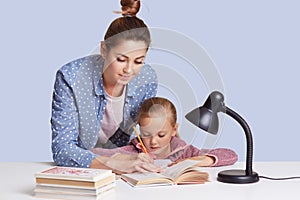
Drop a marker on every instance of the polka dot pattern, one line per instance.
(78, 106)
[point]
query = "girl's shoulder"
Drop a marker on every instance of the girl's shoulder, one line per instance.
(177, 142)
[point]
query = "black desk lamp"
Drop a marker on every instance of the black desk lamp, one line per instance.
(205, 117)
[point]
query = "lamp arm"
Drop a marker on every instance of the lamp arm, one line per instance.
(249, 139)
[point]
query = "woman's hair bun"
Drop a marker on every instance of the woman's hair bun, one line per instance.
(130, 7)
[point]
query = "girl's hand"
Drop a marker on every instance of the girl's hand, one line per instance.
(206, 161)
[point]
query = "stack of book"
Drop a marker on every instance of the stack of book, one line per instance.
(74, 183)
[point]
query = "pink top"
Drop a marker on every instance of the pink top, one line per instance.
(112, 118)
(179, 150)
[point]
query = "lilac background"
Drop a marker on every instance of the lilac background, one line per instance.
(254, 45)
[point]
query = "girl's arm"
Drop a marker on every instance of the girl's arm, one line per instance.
(213, 157)
(223, 156)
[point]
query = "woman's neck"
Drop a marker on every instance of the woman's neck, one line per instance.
(114, 90)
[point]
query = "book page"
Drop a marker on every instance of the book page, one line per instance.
(176, 170)
(148, 178)
(72, 190)
(163, 163)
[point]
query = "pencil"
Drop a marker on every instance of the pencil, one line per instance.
(140, 140)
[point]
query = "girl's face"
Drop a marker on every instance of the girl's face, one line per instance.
(123, 62)
(156, 134)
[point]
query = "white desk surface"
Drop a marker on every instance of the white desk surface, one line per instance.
(17, 183)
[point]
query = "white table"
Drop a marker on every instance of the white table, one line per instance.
(17, 183)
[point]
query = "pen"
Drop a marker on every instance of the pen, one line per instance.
(140, 140)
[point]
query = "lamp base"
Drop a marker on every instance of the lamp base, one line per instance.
(237, 176)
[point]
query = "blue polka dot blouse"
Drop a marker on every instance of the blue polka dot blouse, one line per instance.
(79, 103)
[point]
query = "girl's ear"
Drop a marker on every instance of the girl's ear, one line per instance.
(175, 130)
(103, 50)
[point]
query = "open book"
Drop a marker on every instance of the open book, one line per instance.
(185, 172)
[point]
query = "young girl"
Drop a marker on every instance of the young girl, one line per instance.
(157, 118)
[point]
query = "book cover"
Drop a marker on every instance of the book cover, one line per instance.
(185, 172)
(73, 173)
(76, 183)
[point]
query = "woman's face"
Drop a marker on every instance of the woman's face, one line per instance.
(123, 62)
(156, 134)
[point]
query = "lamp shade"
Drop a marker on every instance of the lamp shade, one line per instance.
(205, 117)
(208, 121)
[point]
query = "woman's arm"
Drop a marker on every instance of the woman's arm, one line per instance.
(122, 163)
(128, 149)
(66, 149)
(124, 159)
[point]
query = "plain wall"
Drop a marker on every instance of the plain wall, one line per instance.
(254, 46)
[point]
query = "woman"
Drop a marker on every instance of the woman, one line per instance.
(96, 98)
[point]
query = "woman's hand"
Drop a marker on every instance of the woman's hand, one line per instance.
(123, 163)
